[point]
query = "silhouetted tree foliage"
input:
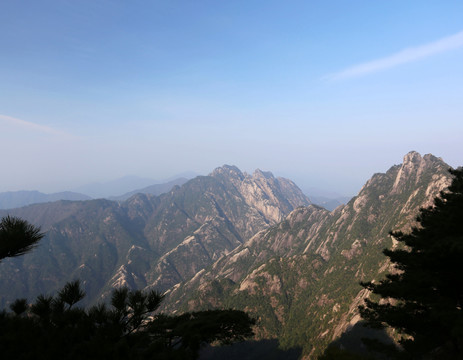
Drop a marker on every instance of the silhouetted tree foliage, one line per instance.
(53, 327)
(17, 236)
(424, 299)
(358, 343)
(336, 353)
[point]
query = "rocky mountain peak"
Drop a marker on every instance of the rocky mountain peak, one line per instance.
(414, 160)
(262, 174)
(227, 170)
(415, 167)
(412, 157)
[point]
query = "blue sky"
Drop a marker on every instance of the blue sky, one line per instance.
(323, 92)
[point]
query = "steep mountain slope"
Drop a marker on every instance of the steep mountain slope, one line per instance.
(147, 240)
(301, 277)
(15, 199)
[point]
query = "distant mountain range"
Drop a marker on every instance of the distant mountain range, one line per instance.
(14, 199)
(329, 203)
(124, 185)
(156, 189)
(114, 187)
(233, 240)
(330, 200)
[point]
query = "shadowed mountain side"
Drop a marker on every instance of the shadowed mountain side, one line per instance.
(146, 241)
(352, 341)
(250, 350)
(301, 277)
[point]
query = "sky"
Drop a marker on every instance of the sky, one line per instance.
(326, 93)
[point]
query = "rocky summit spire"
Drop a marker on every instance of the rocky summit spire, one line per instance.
(227, 170)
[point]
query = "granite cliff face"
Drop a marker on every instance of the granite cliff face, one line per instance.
(146, 241)
(301, 276)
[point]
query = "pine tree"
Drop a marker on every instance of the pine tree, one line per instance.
(423, 299)
(17, 236)
(129, 328)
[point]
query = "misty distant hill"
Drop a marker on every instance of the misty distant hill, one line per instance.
(16, 199)
(120, 189)
(329, 203)
(115, 187)
(330, 200)
(156, 189)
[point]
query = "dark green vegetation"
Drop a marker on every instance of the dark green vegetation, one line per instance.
(55, 328)
(424, 296)
(352, 344)
(17, 237)
(146, 241)
(267, 349)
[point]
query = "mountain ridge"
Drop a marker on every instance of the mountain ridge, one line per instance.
(143, 241)
(312, 262)
(15, 199)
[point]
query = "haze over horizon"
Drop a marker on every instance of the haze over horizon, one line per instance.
(325, 94)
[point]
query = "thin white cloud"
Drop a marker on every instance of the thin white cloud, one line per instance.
(402, 57)
(31, 126)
